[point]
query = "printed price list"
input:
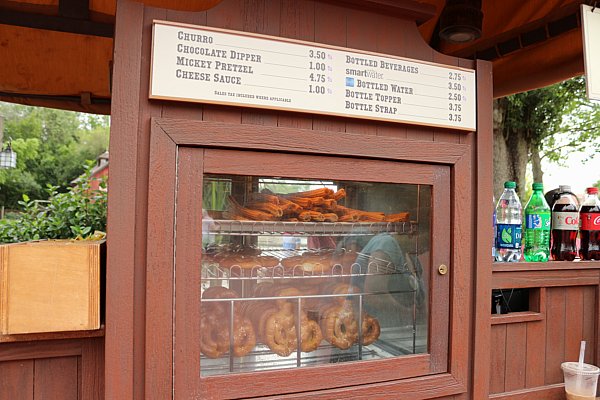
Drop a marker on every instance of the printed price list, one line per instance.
(225, 67)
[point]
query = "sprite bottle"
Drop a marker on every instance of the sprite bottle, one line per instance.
(537, 226)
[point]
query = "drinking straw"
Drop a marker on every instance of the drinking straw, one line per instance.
(581, 354)
(580, 366)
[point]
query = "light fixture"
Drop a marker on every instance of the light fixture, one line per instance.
(8, 158)
(461, 20)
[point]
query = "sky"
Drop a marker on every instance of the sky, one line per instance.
(575, 173)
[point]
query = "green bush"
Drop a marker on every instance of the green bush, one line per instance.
(77, 213)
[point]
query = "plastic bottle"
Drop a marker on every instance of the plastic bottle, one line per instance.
(508, 225)
(537, 226)
(589, 217)
(565, 224)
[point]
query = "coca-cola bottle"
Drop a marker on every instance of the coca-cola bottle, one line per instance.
(565, 224)
(589, 234)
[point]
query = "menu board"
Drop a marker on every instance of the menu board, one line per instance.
(209, 65)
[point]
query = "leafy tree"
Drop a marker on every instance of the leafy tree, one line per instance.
(78, 212)
(52, 146)
(544, 123)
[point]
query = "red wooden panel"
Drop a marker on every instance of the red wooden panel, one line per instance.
(187, 272)
(228, 15)
(481, 312)
(551, 392)
(555, 334)
(213, 134)
(391, 39)
(361, 34)
(536, 354)
(516, 356)
(159, 259)
(261, 16)
(298, 22)
(295, 165)
(16, 380)
(462, 265)
(120, 279)
(147, 111)
(92, 369)
(498, 358)
(590, 323)
(184, 109)
(56, 378)
(573, 322)
(330, 28)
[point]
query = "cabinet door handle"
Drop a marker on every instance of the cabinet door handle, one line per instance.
(443, 269)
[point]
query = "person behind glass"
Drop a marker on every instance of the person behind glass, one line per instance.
(384, 269)
(207, 224)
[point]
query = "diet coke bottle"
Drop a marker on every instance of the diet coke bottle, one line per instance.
(590, 226)
(565, 224)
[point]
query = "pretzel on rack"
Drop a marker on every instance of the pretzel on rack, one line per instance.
(280, 331)
(216, 326)
(370, 329)
(339, 325)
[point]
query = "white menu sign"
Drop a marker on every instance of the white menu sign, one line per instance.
(590, 27)
(210, 65)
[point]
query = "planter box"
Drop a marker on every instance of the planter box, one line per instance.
(50, 286)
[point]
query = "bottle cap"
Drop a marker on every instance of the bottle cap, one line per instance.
(510, 185)
(538, 186)
(564, 188)
(592, 190)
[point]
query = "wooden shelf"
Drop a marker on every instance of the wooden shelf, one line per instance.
(29, 337)
(539, 266)
(515, 317)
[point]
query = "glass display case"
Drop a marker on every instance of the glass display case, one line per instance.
(289, 269)
(303, 272)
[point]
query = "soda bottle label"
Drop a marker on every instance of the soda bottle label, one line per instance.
(590, 221)
(565, 221)
(508, 236)
(537, 221)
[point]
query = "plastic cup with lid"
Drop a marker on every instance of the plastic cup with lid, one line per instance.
(581, 380)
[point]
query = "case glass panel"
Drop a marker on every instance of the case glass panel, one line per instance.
(304, 272)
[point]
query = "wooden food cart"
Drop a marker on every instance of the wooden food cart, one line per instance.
(171, 143)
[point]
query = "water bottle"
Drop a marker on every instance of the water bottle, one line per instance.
(537, 226)
(508, 225)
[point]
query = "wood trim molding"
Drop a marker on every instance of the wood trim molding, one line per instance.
(548, 392)
(517, 317)
(541, 279)
(224, 135)
(408, 9)
(56, 23)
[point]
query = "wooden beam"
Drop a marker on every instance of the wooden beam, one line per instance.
(77, 9)
(410, 9)
(56, 23)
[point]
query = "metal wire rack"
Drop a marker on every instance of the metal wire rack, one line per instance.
(393, 341)
(213, 271)
(284, 228)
